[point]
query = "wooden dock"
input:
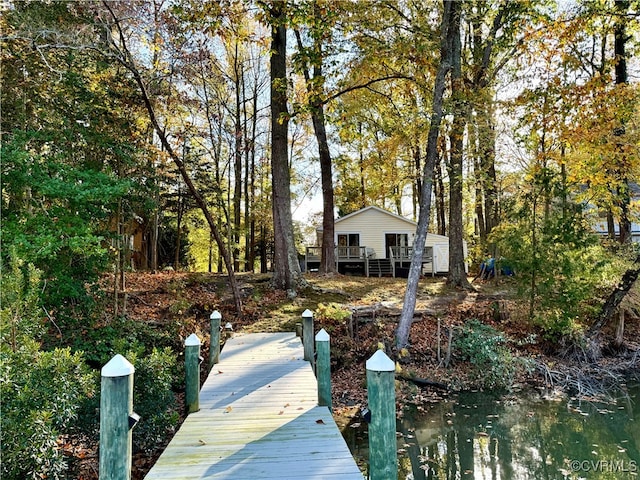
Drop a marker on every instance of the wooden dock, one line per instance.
(258, 419)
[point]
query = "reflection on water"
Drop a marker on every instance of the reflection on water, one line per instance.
(476, 436)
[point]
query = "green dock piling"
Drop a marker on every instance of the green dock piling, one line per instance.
(192, 373)
(383, 457)
(323, 369)
(307, 335)
(116, 407)
(214, 347)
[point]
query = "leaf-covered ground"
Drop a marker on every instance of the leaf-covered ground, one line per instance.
(181, 303)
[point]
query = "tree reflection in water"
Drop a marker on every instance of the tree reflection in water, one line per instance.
(480, 436)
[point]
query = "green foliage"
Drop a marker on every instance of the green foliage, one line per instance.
(42, 392)
(492, 365)
(333, 318)
(70, 152)
(331, 314)
(54, 215)
(153, 397)
(19, 303)
(559, 266)
(121, 336)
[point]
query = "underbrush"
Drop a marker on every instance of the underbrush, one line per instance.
(52, 395)
(491, 361)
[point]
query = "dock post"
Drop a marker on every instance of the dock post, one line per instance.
(214, 343)
(116, 419)
(323, 369)
(307, 335)
(192, 361)
(299, 330)
(383, 458)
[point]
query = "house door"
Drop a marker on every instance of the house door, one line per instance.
(349, 245)
(396, 240)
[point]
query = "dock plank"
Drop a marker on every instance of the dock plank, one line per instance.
(258, 419)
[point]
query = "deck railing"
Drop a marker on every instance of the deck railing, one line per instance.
(313, 254)
(403, 254)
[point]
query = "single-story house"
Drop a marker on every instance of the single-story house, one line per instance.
(375, 242)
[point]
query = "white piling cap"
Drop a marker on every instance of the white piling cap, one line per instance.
(322, 336)
(118, 366)
(307, 313)
(192, 340)
(215, 315)
(380, 362)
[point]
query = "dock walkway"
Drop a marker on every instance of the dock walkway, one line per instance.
(258, 419)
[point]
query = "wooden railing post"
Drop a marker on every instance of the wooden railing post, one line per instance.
(192, 361)
(383, 458)
(307, 335)
(214, 343)
(323, 369)
(116, 419)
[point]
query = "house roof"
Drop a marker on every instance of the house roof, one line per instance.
(410, 223)
(372, 207)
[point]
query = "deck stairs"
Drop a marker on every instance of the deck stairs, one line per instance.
(380, 267)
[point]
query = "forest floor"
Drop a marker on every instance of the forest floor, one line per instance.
(182, 302)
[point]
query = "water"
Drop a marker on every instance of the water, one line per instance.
(478, 436)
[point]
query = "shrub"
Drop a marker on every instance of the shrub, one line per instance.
(153, 397)
(492, 365)
(121, 335)
(558, 273)
(332, 314)
(19, 301)
(333, 318)
(41, 394)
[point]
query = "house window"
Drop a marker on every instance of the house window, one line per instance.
(349, 245)
(399, 242)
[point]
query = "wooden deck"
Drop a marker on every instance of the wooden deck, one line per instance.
(258, 419)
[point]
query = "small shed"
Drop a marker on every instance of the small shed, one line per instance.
(376, 239)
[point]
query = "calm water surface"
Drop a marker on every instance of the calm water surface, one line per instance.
(479, 436)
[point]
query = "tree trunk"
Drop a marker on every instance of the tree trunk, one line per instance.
(287, 274)
(488, 167)
(328, 261)
(612, 303)
(363, 191)
(447, 31)
(457, 274)
(620, 40)
(238, 75)
(619, 329)
(441, 214)
(176, 262)
(328, 252)
(417, 169)
(611, 225)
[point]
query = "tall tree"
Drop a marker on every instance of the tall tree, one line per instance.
(315, 89)
(621, 78)
(448, 33)
(287, 273)
(457, 274)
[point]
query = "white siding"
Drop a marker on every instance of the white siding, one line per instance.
(372, 223)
